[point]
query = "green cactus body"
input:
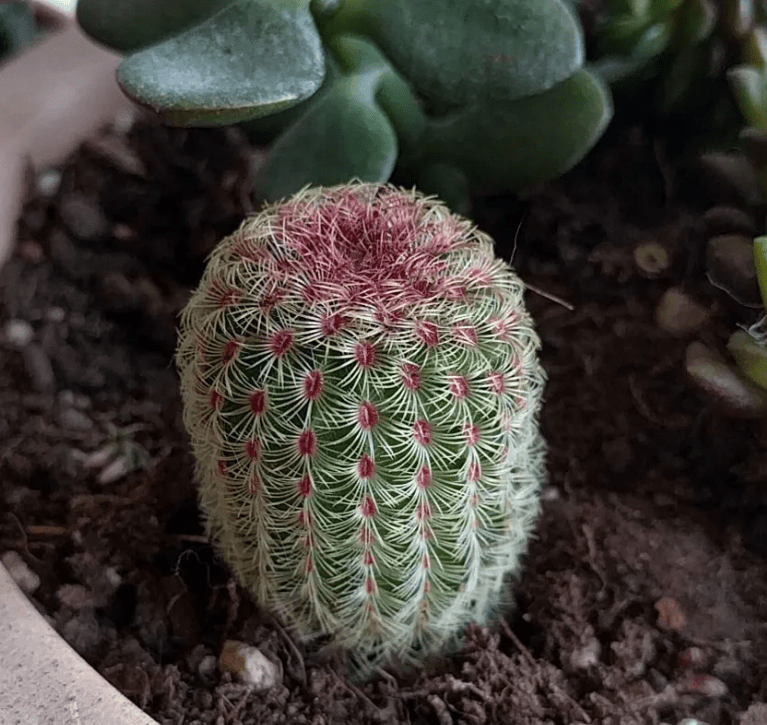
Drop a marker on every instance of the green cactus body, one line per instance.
(361, 388)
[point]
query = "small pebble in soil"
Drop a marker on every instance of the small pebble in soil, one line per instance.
(26, 579)
(249, 664)
(47, 182)
(39, 367)
(207, 667)
(691, 658)
(705, 685)
(587, 656)
(755, 715)
(30, 251)
(83, 633)
(670, 614)
(84, 218)
(680, 315)
(55, 314)
(72, 419)
(75, 596)
(18, 333)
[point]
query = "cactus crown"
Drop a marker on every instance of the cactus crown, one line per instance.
(361, 388)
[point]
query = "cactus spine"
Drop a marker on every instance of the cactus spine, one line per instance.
(361, 388)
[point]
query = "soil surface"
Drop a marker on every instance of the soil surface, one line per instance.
(644, 595)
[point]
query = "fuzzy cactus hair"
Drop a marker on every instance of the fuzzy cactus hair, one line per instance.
(361, 387)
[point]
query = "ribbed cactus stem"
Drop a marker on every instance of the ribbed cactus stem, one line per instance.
(361, 388)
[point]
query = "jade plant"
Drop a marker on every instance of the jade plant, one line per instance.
(17, 27)
(453, 95)
(361, 388)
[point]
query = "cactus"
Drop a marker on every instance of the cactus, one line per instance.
(361, 388)
(482, 94)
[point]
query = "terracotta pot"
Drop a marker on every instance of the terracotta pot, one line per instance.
(52, 97)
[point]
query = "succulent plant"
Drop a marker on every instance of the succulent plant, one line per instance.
(361, 388)
(741, 389)
(484, 94)
(680, 54)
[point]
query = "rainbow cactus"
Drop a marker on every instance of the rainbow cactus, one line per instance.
(361, 388)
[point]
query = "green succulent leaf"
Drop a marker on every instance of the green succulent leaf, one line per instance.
(750, 356)
(750, 87)
(343, 135)
(392, 92)
(17, 27)
(512, 145)
(456, 53)
(621, 35)
(127, 25)
(653, 41)
(697, 19)
(664, 7)
(637, 8)
(686, 72)
(252, 58)
(739, 16)
(755, 48)
(447, 182)
(760, 262)
(265, 129)
(723, 384)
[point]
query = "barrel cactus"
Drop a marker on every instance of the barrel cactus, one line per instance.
(361, 388)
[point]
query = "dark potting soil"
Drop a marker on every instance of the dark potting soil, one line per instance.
(644, 595)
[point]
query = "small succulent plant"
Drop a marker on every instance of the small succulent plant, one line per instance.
(482, 94)
(741, 389)
(361, 388)
(681, 53)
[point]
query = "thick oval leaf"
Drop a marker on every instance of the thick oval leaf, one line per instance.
(754, 48)
(760, 262)
(722, 384)
(265, 129)
(739, 16)
(392, 92)
(750, 356)
(253, 58)
(750, 87)
(342, 136)
(455, 52)
(132, 24)
(507, 146)
(620, 35)
(730, 267)
(664, 7)
(696, 21)
(638, 8)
